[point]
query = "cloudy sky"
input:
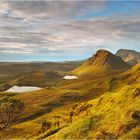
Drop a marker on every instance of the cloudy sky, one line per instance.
(66, 30)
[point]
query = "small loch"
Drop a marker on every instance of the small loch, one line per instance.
(20, 89)
(70, 77)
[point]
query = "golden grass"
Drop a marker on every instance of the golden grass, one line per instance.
(114, 115)
(111, 96)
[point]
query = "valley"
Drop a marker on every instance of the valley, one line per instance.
(96, 99)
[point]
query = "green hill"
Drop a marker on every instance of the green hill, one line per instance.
(12, 70)
(101, 106)
(103, 62)
(38, 78)
(130, 56)
(115, 115)
(35, 78)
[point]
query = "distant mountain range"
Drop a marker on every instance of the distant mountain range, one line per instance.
(130, 56)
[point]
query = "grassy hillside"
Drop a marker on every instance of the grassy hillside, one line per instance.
(38, 78)
(130, 77)
(101, 106)
(114, 115)
(10, 70)
(33, 74)
(34, 78)
(103, 62)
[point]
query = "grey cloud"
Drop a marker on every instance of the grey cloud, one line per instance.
(42, 35)
(54, 9)
(74, 35)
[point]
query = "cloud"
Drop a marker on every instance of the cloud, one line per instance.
(60, 28)
(53, 9)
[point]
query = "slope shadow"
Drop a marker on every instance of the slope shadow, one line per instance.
(48, 107)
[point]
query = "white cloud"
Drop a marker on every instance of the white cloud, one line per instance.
(56, 28)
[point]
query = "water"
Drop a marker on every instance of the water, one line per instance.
(22, 89)
(70, 77)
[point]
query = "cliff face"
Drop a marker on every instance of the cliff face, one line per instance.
(104, 57)
(103, 62)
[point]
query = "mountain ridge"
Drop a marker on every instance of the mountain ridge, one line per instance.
(103, 60)
(130, 56)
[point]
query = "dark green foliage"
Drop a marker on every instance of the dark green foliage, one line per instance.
(5, 86)
(136, 93)
(113, 79)
(105, 135)
(10, 110)
(45, 126)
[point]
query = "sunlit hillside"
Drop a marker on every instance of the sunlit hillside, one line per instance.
(103, 62)
(100, 106)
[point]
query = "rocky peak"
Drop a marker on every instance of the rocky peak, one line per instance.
(101, 57)
(104, 57)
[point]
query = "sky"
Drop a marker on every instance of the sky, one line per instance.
(66, 30)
